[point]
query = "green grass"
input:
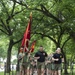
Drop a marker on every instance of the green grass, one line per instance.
(1, 73)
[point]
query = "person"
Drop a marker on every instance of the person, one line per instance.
(20, 56)
(26, 63)
(57, 57)
(50, 65)
(40, 56)
(33, 67)
(24, 60)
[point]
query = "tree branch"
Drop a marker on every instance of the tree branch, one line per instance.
(61, 34)
(44, 35)
(13, 8)
(47, 13)
(3, 25)
(17, 41)
(20, 3)
(11, 16)
(43, 10)
(3, 31)
(14, 28)
(65, 42)
(5, 7)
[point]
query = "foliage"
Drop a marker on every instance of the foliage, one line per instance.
(53, 24)
(3, 46)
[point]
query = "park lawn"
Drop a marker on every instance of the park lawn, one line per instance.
(1, 73)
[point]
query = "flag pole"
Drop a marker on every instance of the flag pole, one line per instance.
(27, 34)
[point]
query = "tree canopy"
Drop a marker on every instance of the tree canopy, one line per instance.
(53, 24)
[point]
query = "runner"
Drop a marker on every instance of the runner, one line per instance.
(26, 63)
(50, 65)
(41, 56)
(57, 57)
(33, 67)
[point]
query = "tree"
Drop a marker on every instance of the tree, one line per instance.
(9, 26)
(52, 19)
(56, 20)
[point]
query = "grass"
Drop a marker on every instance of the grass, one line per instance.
(1, 73)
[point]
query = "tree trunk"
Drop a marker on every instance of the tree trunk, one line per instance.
(65, 65)
(9, 56)
(17, 66)
(65, 62)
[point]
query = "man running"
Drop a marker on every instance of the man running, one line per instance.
(57, 57)
(40, 56)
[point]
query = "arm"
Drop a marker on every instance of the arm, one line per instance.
(20, 56)
(36, 57)
(54, 59)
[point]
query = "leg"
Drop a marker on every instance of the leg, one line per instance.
(24, 70)
(38, 68)
(52, 73)
(28, 71)
(53, 68)
(31, 71)
(39, 71)
(59, 72)
(59, 69)
(47, 71)
(21, 69)
(56, 73)
(43, 68)
(56, 67)
(42, 71)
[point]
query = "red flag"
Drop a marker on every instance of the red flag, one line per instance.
(32, 46)
(26, 38)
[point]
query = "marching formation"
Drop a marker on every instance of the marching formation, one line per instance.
(41, 63)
